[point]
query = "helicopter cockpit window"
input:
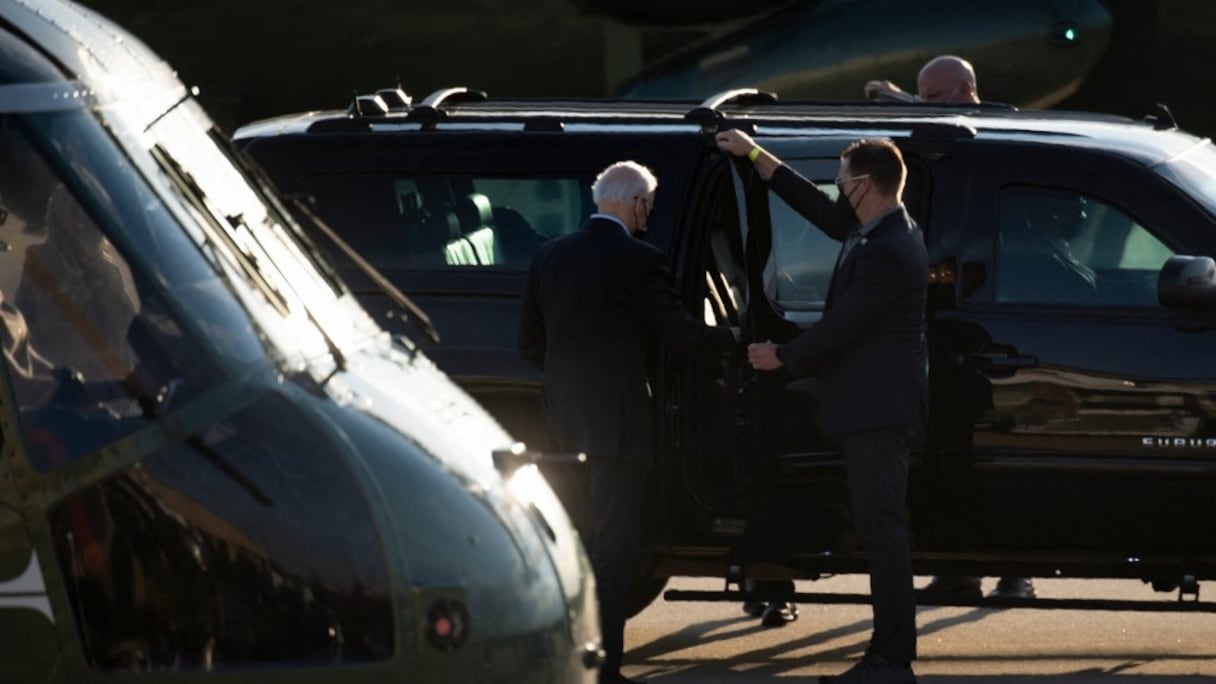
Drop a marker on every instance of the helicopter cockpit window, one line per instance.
(250, 545)
(96, 343)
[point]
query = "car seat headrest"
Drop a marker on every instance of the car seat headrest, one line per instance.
(474, 212)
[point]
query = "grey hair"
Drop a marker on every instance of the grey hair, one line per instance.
(623, 181)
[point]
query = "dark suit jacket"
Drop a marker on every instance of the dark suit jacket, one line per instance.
(868, 349)
(593, 302)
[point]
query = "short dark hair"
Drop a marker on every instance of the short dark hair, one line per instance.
(880, 159)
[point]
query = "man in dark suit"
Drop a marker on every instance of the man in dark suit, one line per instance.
(868, 354)
(593, 303)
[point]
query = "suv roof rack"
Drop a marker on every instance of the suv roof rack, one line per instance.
(367, 105)
(924, 122)
(428, 111)
(396, 99)
(707, 112)
(1162, 118)
(934, 130)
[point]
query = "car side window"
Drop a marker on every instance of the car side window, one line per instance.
(800, 266)
(725, 299)
(1065, 247)
(448, 222)
(799, 269)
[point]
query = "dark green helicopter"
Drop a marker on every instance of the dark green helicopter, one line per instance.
(213, 464)
(284, 55)
(1030, 53)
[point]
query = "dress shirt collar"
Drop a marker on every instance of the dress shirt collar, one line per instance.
(610, 217)
(873, 223)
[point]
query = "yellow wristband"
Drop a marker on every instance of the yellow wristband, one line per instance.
(751, 156)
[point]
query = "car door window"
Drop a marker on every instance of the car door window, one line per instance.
(449, 222)
(799, 268)
(800, 265)
(1061, 246)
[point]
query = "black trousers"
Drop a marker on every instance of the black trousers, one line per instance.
(617, 493)
(876, 462)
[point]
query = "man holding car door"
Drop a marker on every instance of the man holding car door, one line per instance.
(867, 352)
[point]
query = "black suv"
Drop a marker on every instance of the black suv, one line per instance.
(1072, 314)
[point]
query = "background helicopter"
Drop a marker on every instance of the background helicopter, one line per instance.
(213, 462)
(256, 60)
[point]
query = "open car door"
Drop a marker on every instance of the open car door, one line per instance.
(754, 462)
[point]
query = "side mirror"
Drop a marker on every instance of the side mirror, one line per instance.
(1187, 282)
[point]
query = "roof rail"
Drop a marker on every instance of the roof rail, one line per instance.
(367, 105)
(707, 111)
(428, 111)
(396, 99)
(545, 123)
(941, 131)
(346, 124)
(1162, 119)
(934, 138)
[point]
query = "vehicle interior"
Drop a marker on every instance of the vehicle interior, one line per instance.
(448, 222)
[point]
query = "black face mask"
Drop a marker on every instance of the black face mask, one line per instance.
(846, 208)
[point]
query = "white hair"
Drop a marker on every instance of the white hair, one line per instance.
(623, 181)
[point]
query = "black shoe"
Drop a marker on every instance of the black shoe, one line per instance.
(779, 614)
(770, 587)
(754, 608)
(950, 588)
(872, 670)
(1013, 587)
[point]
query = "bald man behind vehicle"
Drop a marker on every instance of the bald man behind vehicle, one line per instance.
(946, 79)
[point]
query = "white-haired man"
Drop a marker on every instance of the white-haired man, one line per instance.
(593, 303)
